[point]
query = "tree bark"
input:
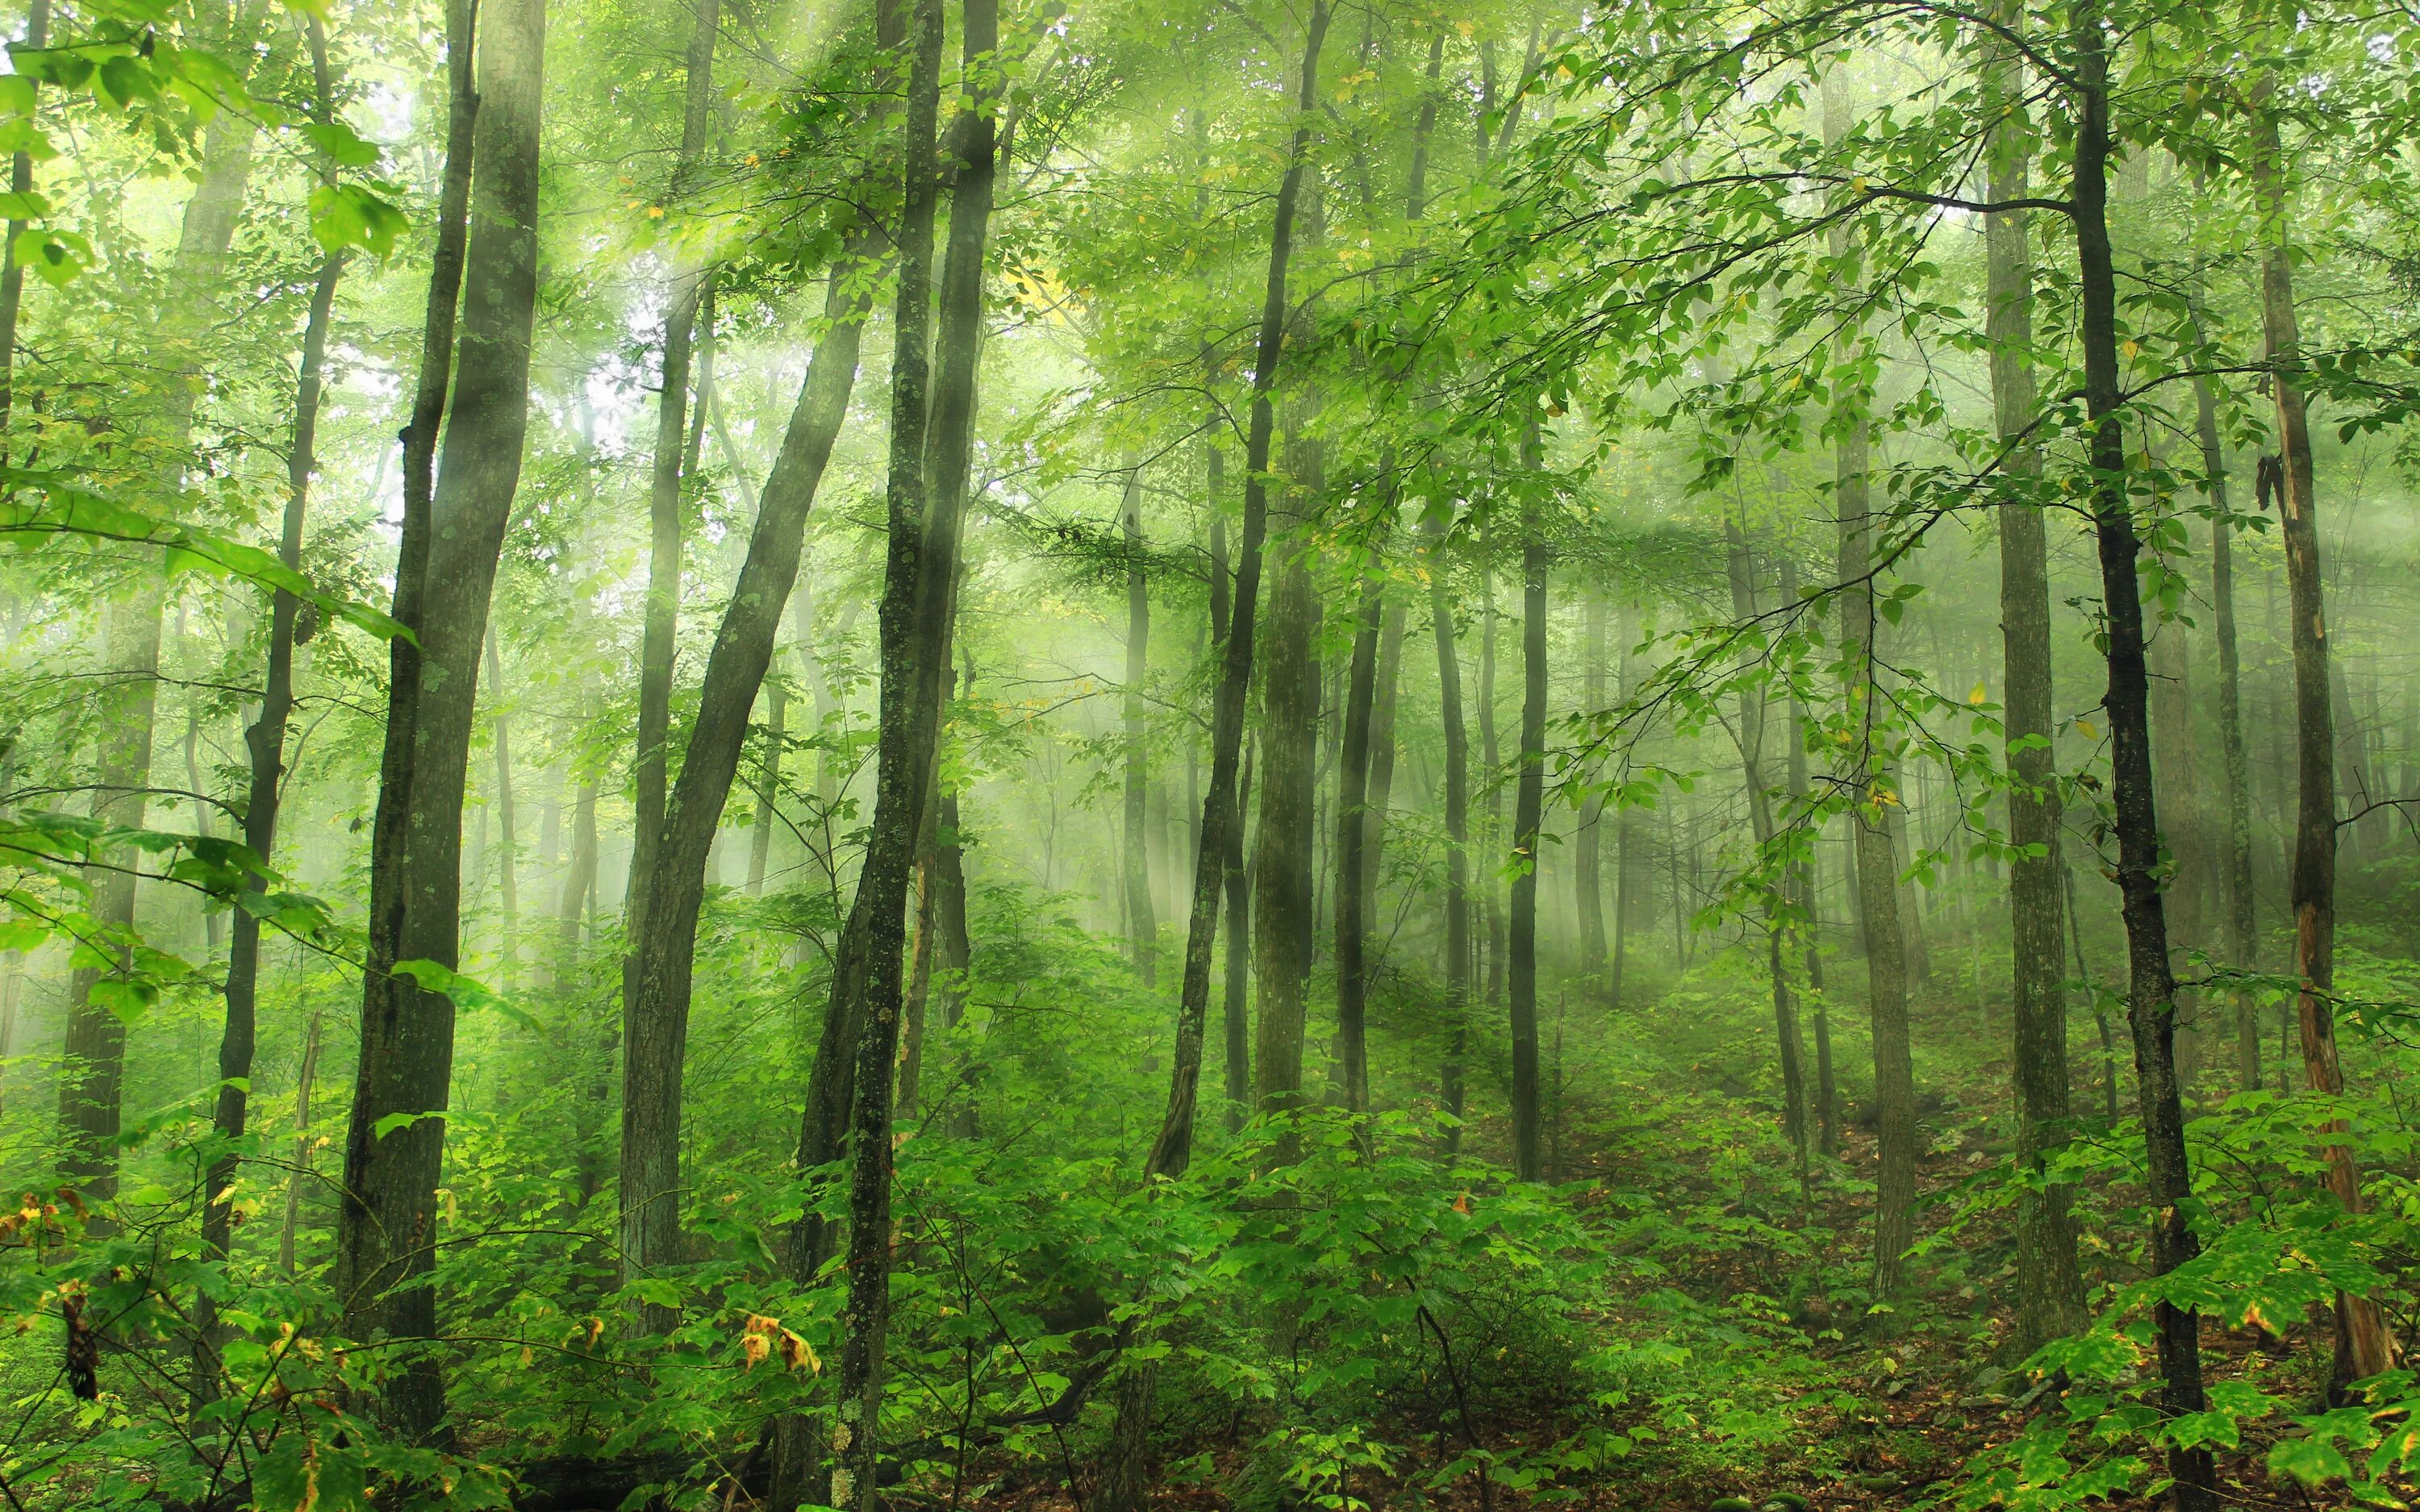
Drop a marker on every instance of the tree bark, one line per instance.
(1805, 888)
(1282, 897)
(2364, 1346)
(1382, 741)
(386, 1227)
(927, 499)
(2050, 1288)
(2150, 988)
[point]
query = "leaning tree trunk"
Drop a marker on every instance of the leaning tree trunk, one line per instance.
(395, 1142)
(2050, 1289)
(2150, 987)
(1121, 1482)
(2363, 1345)
(926, 506)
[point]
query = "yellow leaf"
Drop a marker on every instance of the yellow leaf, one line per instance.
(1975, 694)
(2083, 727)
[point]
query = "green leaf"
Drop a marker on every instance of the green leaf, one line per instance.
(341, 142)
(349, 215)
(2308, 1460)
(393, 1121)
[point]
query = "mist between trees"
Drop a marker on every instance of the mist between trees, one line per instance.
(913, 754)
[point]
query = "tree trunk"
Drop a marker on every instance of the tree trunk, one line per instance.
(1588, 851)
(2175, 770)
(2364, 1346)
(1219, 859)
(1457, 828)
(768, 786)
(658, 643)
(664, 953)
(928, 489)
(1795, 1124)
(1492, 771)
(2150, 989)
(1142, 927)
(387, 1220)
(2234, 889)
(1282, 897)
(507, 877)
(1804, 887)
(2050, 1289)
(92, 1079)
(1352, 847)
(1875, 803)
(1236, 1000)
(301, 1162)
(1384, 702)
(1528, 804)
(265, 743)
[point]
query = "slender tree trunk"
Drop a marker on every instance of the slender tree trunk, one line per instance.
(300, 1163)
(508, 874)
(1352, 847)
(579, 884)
(1795, 1123)
(1457, 829)
(2364, 1347)
(265, 743)
(1382, 740)
(1121, 1488)
(2050, 1289)
(387, 1220)
(655, 1022)
(927, 491)
(1804, 889)
(92, 1079)
(1492, 770)
(658, 638)
(769, 787)
(1870, 818)
(2150, 988)
(1236, 1000)
(2235, 891)
(1587, 850)
(1142, 926)
(2176, 770)
(1528, 805)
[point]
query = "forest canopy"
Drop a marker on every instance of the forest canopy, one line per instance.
(1275, 754)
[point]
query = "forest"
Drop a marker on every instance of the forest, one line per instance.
(1258, 754)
